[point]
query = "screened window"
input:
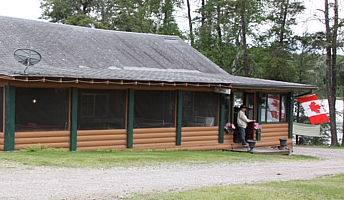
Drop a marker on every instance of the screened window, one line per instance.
(94, 105)
(154, 109)
(41, 109)
(273, 107)
(200, 109)
(101, 109)
(1, 108)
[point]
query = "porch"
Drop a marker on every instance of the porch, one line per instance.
(262, 150)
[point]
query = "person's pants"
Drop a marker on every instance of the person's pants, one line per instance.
(242, 132)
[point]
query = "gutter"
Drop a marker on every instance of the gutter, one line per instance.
(311, 87)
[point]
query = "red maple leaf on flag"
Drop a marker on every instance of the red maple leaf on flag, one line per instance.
(275, 103)
(314, 107)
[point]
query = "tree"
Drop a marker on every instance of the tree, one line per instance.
(191, 35)
(211, 33)
(279, 38)
(221, 31)
(168, 24)
(59, 10)
(145, 16)
(331, 61)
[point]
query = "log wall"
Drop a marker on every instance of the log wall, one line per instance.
(193, 138)
(271, 133)
(2, 140)
(203, 138)
(102, 139)
(154, 138)
(51, 139)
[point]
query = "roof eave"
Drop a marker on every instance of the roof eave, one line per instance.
(296, 87)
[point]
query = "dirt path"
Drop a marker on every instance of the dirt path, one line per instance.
(20, 182)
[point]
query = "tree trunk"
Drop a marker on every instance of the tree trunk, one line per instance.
(243, 32)
(330, 79)
(284, 11)
(202, 13)
(192, 39)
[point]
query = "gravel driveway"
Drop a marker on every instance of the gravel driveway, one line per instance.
(23, 182)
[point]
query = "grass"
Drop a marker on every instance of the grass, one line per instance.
(326, 187)
(35, 156)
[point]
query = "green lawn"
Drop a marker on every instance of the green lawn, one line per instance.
(112, 158)
(327, 187)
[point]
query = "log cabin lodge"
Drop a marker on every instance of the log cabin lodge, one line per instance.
(101, 89)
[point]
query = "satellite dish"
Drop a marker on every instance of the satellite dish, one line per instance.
(27, 57)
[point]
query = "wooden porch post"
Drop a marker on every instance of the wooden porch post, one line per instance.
(130, 118)
(179, 117)
(259, 113)
(222, 117)
(10, 101)
(73, 119)
(290, 114)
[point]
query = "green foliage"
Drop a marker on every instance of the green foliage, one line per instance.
(39, 148)
(36, 148)
(340, 78)
(150, 16)
(81, 20)
(219, 32)
(60, 10)
(279, 40)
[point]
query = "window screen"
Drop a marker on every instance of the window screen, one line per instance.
(41, 109)
(1, 108)
(200, 109)
(101, 109)
(273, 108)
(154, 109)
(94, 105)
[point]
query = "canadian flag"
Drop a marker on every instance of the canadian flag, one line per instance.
(314, 110)
(274, 106)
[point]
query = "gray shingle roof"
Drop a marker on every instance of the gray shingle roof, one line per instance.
(78, 52)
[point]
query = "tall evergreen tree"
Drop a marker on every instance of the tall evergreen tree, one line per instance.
(145, 16)
(331, 62)
(279, 38)
(222, 30)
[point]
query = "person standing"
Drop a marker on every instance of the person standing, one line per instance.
(242, 121)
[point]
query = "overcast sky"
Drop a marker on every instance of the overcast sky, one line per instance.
(28, 9)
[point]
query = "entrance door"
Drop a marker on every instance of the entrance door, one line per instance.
(247, 99)
(250, 113)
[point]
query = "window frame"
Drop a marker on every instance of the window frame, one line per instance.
(94, 114)
(282, 96)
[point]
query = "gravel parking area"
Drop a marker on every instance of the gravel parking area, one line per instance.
(23, 182)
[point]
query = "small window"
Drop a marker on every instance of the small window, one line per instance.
(283, 108)
(273, 108)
